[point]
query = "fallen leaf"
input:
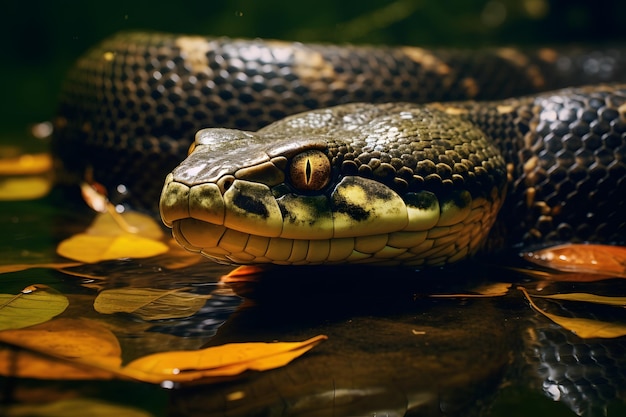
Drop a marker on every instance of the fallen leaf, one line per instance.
(149, 303)
(75, 407)
(90, 249)
(36, 305)
(106, 224)
(588, 298)
(105, 239)
(584, 328)
(85, 348)
(582, 258)
(226, 360)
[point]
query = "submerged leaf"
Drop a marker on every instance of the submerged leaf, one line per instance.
(30, 307)
(594, 259)
(226, 360)
(74, 407)
(584, 328)
(149, 303)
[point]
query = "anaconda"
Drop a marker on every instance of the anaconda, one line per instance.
(132, 105)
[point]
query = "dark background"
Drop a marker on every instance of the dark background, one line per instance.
(40, 39)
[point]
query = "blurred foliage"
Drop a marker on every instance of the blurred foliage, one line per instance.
(40, 39)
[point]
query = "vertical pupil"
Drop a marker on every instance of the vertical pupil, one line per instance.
(308, 170)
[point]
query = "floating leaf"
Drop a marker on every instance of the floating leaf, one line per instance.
(106, 240)
(88, 248)
(219, 361)
(107, 225)
(584, 328)
(79, 343)
(149, 303)
(588, 298)
(74, 407)
(35, 304)
(594, 259)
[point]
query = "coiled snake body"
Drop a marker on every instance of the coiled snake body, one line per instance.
(385, 183)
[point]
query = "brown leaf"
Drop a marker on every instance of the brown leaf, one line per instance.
(582, 258)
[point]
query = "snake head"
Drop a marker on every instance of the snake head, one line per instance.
(331, 186)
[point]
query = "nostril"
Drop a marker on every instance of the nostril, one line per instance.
(225, 183)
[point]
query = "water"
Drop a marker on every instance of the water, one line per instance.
(392, 349)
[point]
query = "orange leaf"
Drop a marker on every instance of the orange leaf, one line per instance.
(594, 259)
(225, 360)
(79, 343)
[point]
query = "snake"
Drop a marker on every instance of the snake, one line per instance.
(290, 153)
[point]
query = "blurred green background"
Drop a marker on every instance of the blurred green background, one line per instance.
(40, 39)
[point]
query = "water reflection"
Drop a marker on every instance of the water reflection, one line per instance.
(392, 349)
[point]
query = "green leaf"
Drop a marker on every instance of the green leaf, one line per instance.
(149, 303)
(35, 304)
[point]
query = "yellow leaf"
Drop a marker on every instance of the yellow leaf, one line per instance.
(37, 305)
(74, 407)
(106, 240)
(28, 164)
(589, 298)
(89, 248)
(595, 259)
(149, 303)
(225, 360)
(105, 224)
(584, 328)
(24, 188)
(79, 343)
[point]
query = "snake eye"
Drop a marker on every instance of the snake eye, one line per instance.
(191, 148)
(310, 170)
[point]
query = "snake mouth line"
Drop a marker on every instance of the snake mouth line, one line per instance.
(352, 226)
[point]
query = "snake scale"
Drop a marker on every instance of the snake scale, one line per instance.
(379, 177)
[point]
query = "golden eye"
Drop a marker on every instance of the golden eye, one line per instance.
(310, 170)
